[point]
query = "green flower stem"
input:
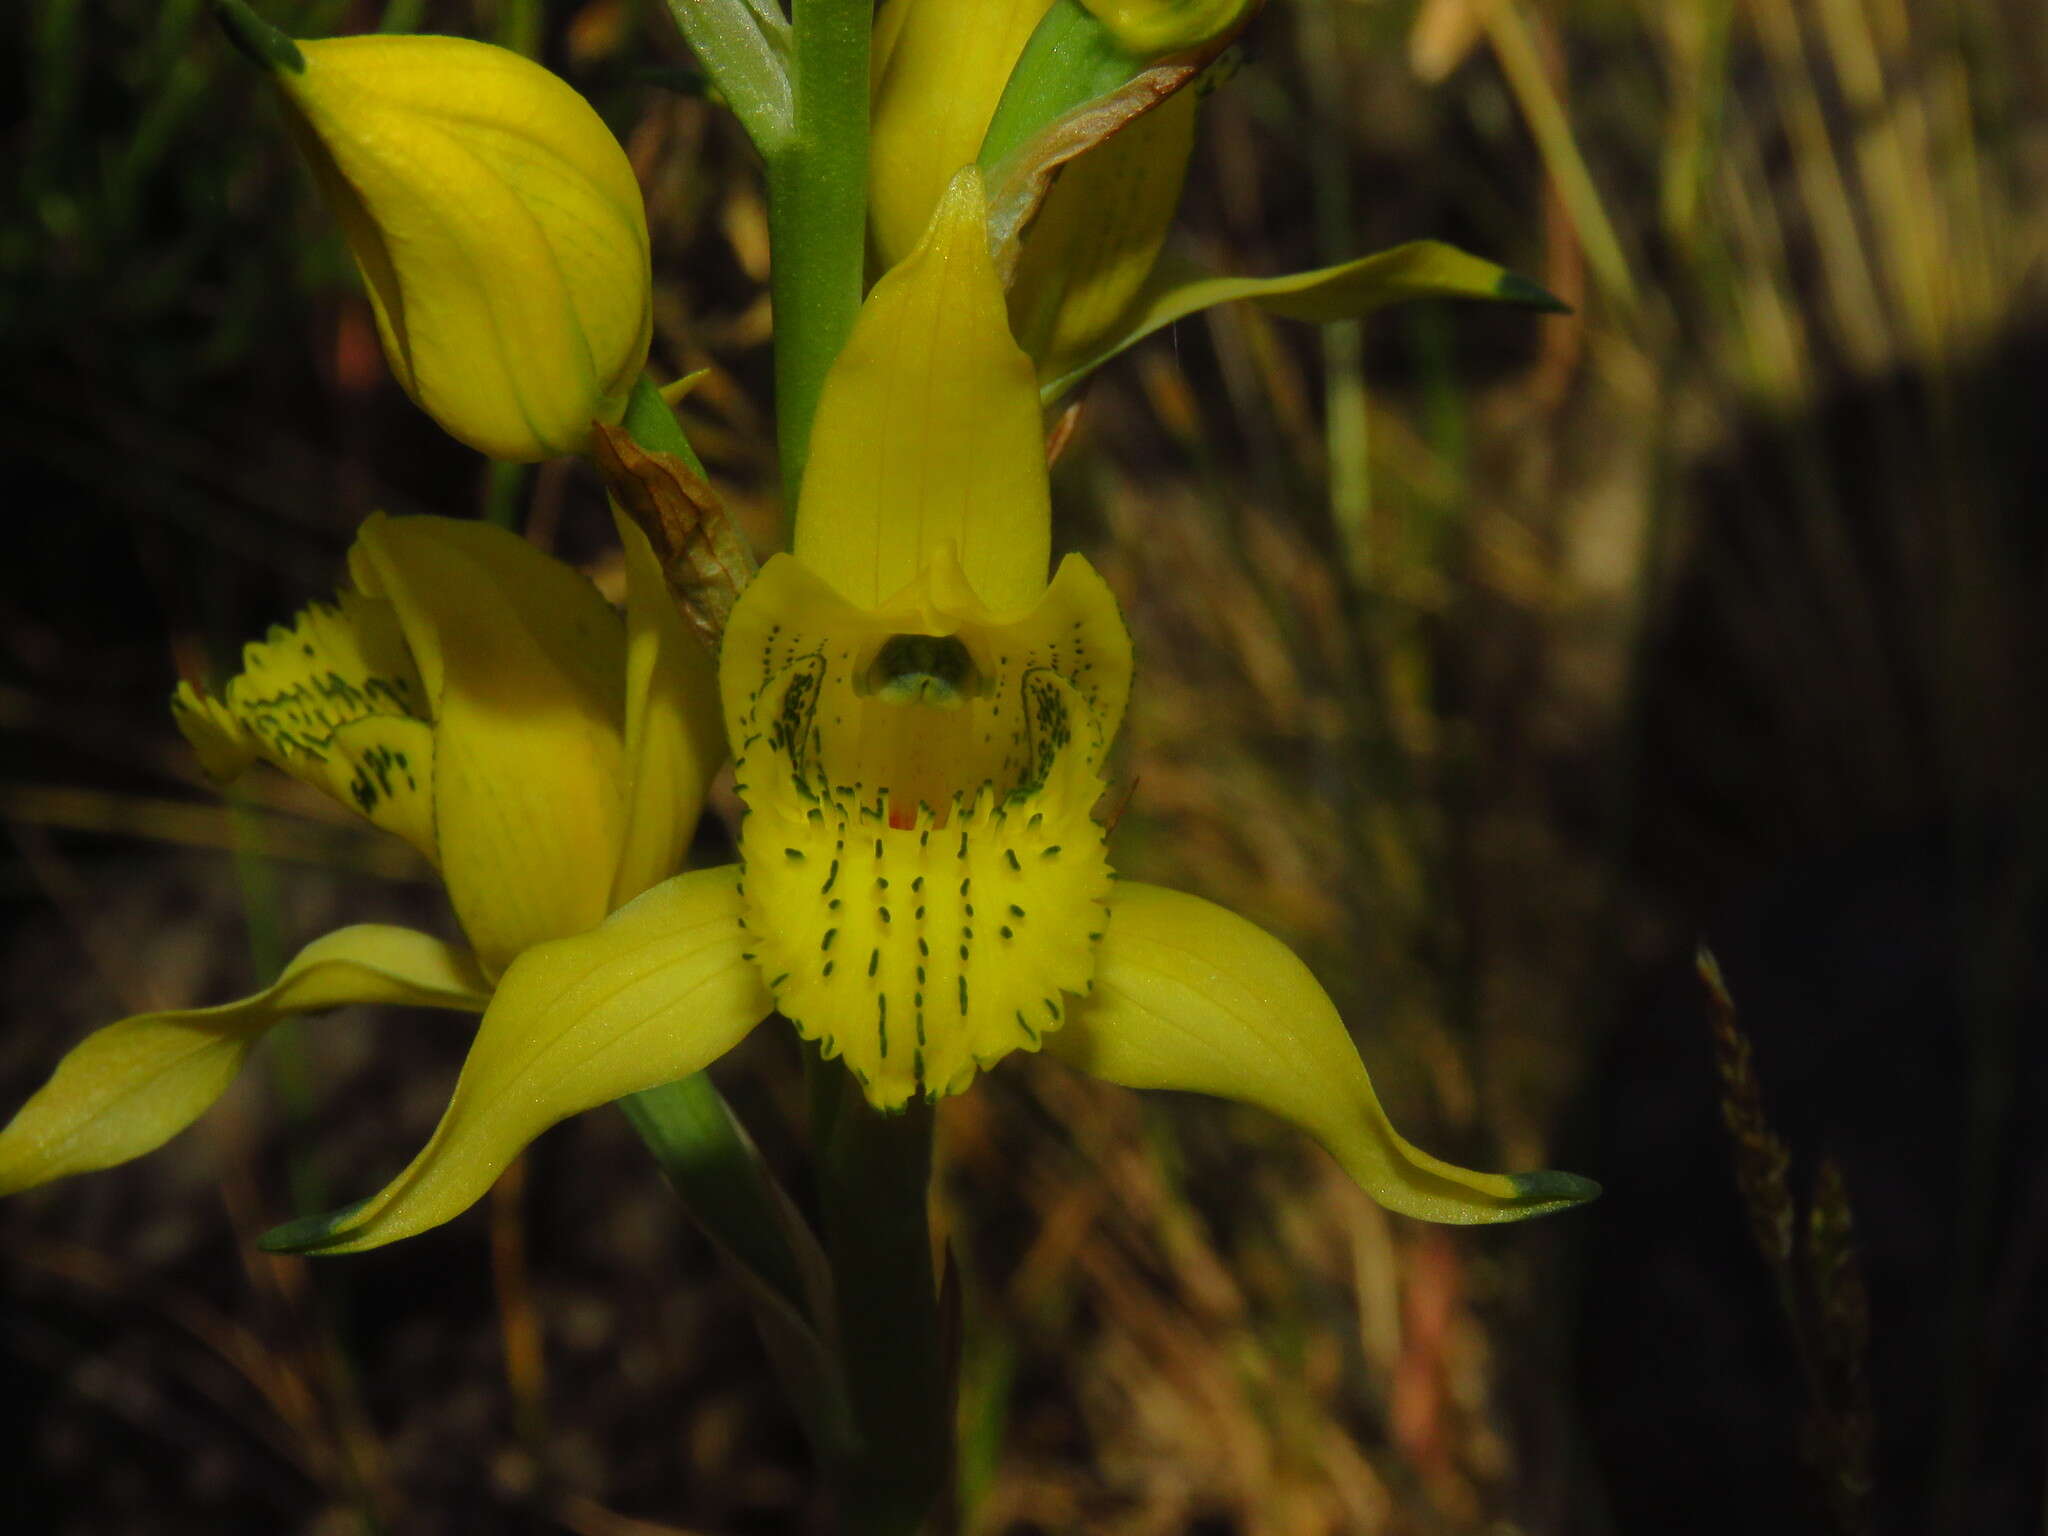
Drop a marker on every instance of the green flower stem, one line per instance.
(519, 25)
(651, 423)
(876, 1169)
(874, 1184)
(687, 1125)
(817, 215)
(261, 43)
(504, 488)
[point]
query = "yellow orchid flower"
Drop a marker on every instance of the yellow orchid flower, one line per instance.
(940, 67)
(497, 224)
(1091, 277)
(480, 700)
(919, 720)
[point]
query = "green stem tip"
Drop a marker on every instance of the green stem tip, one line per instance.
(261, 43)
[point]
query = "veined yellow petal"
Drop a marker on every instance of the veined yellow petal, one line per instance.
(335, 700)
(926, 952)
(675, 737)
(659, 991)
(1190, 996)
(924, 876)
(940, 69)
(1094, 241)
(498, 227)
(130, 1087)
(928, 431)
(444, 576)
(524, 669)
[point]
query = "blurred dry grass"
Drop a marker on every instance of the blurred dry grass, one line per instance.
(1486, 659)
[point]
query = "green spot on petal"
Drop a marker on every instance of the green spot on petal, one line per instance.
(1553, 1189)
(308, 1234)
(1513, 288)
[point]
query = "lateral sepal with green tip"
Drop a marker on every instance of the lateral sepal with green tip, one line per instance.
(1421, 269)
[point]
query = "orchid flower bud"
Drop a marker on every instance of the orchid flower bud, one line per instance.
(498, 227)
(1153, 28)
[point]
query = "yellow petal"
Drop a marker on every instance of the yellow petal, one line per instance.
(658, 992)
(1190, 996)
(940, 68)
(928, 431)
(334, 700)
(498, 226)
(523, 665)
(675, 740)
(1421, 269)
(926, 952)
(924, 877)
(130, 1087)
(1094, 241)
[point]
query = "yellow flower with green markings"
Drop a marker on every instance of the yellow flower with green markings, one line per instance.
(1091, 274)
(497, 224)
(478, 699)
(940, 69)
(919, 720)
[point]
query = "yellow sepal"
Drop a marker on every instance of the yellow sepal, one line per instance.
(675, 738)
(1175, 289)
(1190, 996)
(940, 67)
(1093, 243)
(659, 991)
(130, 1087)
(498, 226)
(928, 431)
(523, 664)
(333, 699)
